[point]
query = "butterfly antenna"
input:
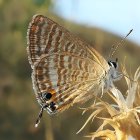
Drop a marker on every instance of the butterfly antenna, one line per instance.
(39, 116)
(113, 49)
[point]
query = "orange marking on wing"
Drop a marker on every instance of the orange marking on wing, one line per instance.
(52, 91)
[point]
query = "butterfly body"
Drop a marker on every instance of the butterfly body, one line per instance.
(66, 70)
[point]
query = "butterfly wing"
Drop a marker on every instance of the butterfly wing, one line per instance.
(65, 68)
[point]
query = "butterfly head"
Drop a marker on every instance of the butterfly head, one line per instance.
(113, 74)
(113, 64)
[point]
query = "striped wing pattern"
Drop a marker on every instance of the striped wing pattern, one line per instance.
(65, 69)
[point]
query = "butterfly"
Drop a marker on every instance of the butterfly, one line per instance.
(65, 69)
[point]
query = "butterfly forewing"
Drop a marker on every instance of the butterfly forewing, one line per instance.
(65, 68)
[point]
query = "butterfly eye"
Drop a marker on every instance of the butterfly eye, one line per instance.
(109, 63)
(47, 96)
(113, 64)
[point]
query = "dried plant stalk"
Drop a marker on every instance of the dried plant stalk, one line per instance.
(124, 113)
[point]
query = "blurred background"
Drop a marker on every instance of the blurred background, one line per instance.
(100, 23)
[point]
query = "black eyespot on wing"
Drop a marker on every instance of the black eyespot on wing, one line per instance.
(52, 106)
(47, 96)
